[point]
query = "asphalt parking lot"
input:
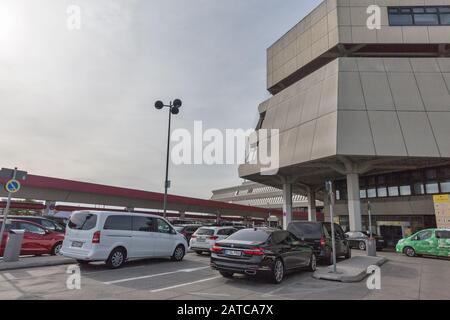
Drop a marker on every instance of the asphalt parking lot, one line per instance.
(192, 279)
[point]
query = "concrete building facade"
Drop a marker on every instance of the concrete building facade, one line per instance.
(367, 107)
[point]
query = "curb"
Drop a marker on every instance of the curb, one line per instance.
(347, 278)
(9, 266)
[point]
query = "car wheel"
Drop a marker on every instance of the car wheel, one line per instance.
(116, 258)
(178, 254)
(312, 266)
(226, 274)
(362, 246)
(56, 250)
(278, 272)
(410, 252)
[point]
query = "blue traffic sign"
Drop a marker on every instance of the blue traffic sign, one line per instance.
(12, 186)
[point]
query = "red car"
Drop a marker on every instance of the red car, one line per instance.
(36, 241)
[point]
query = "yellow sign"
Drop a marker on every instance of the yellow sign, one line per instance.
(442, 210)
(443, 198)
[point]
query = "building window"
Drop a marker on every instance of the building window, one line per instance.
(382, 192)
(393, 192)
(405, 190)
(419, 188)
(372, 193)
(432, 188)
(419, 16)
(445, 186)
(362, 194)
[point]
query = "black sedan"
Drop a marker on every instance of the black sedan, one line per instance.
(359, 240)
(262, 251)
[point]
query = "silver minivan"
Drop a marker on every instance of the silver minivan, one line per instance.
(118, 237)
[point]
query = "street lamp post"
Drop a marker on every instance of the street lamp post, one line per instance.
(174, 108)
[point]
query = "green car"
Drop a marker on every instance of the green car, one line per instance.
(430, 242)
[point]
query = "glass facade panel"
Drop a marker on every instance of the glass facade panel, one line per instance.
(419, 16)
(382, 192)
(445, 186)
(405, 190)
(372, 193)
(393, 192)
(432, 188)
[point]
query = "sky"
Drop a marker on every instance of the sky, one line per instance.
(78, 104)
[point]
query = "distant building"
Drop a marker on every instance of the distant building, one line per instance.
(257, 195)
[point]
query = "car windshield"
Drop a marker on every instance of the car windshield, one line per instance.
(205, 232)
(250, 235)
(82, 221)
(307, 230)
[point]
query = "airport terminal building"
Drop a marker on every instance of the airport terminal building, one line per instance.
(368, 109)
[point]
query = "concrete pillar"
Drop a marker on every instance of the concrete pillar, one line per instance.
(182, 215)
(287, 205)
(49, 208)
(218, 218)
(354, 202)
(312, 210)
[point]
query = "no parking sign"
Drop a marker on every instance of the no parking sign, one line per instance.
(12, 186)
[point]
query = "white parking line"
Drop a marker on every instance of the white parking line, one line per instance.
(156, 275)
(184, 284)
(9, 276)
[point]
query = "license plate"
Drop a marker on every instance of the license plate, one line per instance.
(77, 244)
(233, 253)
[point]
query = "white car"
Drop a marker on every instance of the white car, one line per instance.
(206, 237)
(117, 237)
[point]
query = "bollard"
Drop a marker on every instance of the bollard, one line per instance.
(13, 246)
(371, 247)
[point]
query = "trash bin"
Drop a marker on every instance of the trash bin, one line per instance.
(13, 245)
(371, 247)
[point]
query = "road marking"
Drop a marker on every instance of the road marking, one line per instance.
(9, 276)
(156, 275)
(184, 284)
(210, 294)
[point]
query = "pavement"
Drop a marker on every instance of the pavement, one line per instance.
(34, 262)
(193, 279)
(351, 270)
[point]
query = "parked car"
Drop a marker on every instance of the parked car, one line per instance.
(206, 237)
(262, 251)
(430, 242)
(187, 230)
(61, 220)
(42, 221)
(116, 237)
(36, 240)
(318, 236)
(359, 239)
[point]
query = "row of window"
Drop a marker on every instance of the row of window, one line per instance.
(409, 183)
(142, 224)
(419, 16)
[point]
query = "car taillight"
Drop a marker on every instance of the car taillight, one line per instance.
(323, 242)
(216, 249)
(254, 252)
(213, 238)
(96, 237)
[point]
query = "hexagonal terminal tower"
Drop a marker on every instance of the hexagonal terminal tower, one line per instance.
(359, 91)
